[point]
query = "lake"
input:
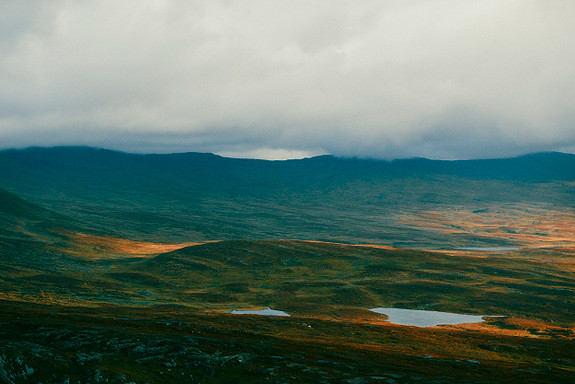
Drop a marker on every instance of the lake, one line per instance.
(422, 318)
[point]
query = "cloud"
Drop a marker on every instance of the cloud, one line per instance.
(442, 79)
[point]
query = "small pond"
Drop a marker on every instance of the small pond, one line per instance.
(422, 318)
(263, 312)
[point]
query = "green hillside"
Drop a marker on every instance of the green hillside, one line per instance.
(197, 197)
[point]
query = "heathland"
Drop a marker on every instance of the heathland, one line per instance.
(121, 268)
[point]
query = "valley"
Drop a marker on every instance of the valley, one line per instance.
(126, 268)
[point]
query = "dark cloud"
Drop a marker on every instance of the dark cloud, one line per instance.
(441, 79)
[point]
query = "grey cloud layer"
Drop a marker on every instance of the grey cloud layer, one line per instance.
(442, 79)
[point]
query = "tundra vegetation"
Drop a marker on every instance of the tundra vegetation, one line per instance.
(126, 268)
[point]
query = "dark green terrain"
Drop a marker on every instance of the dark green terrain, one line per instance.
(206, 197)
(99, 283)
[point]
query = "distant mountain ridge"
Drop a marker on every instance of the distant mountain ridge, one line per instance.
(199, 196)
(542, 166)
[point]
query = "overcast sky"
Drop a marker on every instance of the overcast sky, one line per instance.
(443, 79)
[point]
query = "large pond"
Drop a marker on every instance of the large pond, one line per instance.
(263, 312)
(422, 318)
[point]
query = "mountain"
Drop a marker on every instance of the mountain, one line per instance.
(194, 196)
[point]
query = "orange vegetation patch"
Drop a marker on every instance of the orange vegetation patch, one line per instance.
(347, 245)
(521, 328)
(523, 226)
(118, 246)
(45, 298)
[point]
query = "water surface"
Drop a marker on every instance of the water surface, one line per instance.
(422, 318)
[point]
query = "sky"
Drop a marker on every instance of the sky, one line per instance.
(443, 79)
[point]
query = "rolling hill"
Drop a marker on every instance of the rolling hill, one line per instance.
(28, 230)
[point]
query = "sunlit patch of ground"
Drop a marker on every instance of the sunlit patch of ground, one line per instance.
(518, 327)
(518, 225)
(106, 246)
(343, 244)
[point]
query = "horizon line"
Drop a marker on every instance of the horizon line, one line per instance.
(326, 155)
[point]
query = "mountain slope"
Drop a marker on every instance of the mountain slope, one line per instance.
(198, 197)
(30, 236)
(18, 216)
(16, 208)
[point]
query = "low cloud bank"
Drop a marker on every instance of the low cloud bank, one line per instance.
(276, 79)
